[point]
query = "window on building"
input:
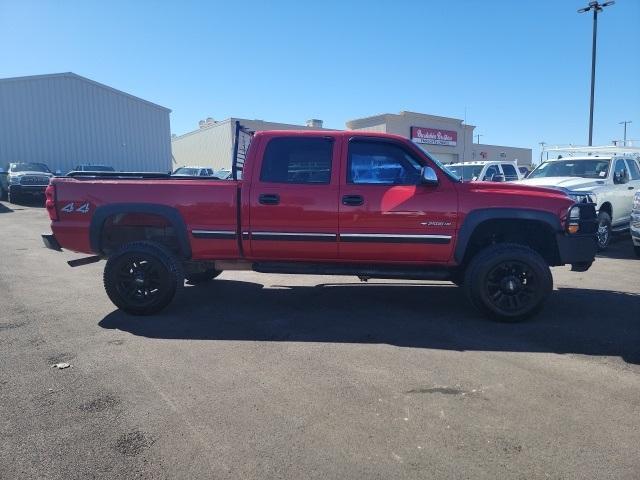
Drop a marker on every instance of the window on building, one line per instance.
(297, 160)
(509, 172)
(381, 163)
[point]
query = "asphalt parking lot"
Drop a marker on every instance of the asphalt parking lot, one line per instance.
(265, 376)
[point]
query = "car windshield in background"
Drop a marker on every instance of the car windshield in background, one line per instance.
(190, 172)
(29, 167)
(596, 168)
(466, 172)
(96, 168)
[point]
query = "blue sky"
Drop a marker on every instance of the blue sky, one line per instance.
(519, 68)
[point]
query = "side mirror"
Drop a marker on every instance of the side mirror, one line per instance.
(428, 176)
(620, 178)
(498, 178)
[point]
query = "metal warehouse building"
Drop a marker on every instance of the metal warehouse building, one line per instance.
(65, 120)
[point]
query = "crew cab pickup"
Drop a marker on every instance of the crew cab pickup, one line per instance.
(336, 203)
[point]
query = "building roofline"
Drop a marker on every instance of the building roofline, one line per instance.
(497, 146)
(85, 79)
(426, 116)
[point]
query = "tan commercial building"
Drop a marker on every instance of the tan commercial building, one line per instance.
(450, 140)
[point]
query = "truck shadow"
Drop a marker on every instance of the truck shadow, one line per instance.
(574, 321)
(621, 248)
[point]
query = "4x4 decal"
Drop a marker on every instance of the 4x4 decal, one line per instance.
(70, 208)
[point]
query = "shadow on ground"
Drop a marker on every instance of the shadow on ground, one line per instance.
(621, 248)
(579, 321)
(4, 208)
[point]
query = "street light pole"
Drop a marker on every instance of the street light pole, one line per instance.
(596, 7)
(478, 135)
(624, 144)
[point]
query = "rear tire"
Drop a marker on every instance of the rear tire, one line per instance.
(202, 277)
(508, 282)
(3, 194)
(142, 278)
(636, 249)
(603, 235)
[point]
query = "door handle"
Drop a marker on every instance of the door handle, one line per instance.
(352, 200)
(269, 199)
(629, 188)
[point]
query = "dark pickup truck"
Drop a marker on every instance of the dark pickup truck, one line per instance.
(337, 203)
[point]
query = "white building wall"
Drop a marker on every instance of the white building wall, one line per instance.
(64, 120)
(212, 146)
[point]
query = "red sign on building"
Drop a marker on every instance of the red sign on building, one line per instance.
(434, 136)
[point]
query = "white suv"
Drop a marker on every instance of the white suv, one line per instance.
(486, 171)
(609, 181)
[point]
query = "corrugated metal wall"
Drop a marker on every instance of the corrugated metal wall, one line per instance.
(64, 120)
(213, 146)
(207, 147)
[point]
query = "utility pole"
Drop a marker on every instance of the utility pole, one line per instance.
(596, 7)
(624, 144)
(478, 135)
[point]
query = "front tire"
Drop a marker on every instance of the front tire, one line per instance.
(508, 282)
(636, 249)
(13, 197)
(142, 278)
(603, 235)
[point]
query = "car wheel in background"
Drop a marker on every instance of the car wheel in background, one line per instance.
(508, 282)
(13, 197)
(603, 234)
(142, 278)
(636, 249)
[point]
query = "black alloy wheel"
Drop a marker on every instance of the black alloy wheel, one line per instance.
(142, 278)
(511, 286)
(603, 234)
(508, 282)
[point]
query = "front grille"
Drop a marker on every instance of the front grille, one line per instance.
(34, 180)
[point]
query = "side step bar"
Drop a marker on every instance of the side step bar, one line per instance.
(363, 271)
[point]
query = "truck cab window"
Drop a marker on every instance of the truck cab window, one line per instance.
(381, 163)
(509, 172)
(491, 171)
(297, 160)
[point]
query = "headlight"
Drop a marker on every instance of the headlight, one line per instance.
(636, 201)
(14, 180)
(583, 197)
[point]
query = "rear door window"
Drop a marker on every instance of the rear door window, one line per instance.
(509, 172)
(633, 169)
(297, 160)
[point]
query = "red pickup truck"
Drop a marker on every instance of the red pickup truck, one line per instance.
(320, 202)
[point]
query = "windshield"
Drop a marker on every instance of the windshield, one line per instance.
(96, 168)
(192, 172)
(596, 168)
(440, 165)
(466, 172)
(29, 167)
